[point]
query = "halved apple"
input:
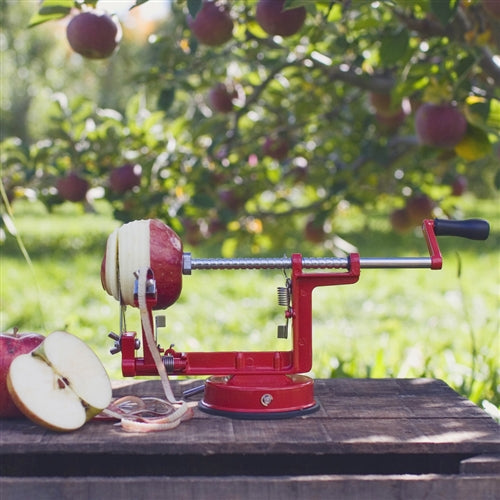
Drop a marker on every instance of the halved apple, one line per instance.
(61, 384)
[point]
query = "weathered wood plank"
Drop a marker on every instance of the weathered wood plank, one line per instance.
(319, 487)
(481, 464)
(369, 416)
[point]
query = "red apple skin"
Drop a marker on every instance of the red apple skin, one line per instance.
(165, 260)
(492, 7)
(221, 99)
(440, 125)
(276, 147)
(72, 187)
(459, 185)
(276, 21)
(212, 25)
(124, 178)
(93, 34)
(12, 345)
(400, 220)
(314, 231)
(420, 207)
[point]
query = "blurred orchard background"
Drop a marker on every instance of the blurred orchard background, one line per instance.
(259, 128)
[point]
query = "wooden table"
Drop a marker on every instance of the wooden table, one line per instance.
(371, 438)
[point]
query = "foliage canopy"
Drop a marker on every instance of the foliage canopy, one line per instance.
(320, 92)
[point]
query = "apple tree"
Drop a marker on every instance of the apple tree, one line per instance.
(257, 120)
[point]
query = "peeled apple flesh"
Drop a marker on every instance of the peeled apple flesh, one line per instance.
(140, 244)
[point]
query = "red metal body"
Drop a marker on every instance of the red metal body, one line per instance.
(261, 383)
(258, 381)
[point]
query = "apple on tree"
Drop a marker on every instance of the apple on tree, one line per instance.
(492, 7)
(13, 344)
(221, 98)
(459, 185)
(420, 207)
(401, 221)
(61, 384)
(72, 187)
(212, 24)
(93, 34)
(314, 230)
(440, 125)
(124, 178)
(274, 19)
(276, 147)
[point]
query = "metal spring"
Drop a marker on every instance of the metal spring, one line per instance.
(283, 296)
(168, 362)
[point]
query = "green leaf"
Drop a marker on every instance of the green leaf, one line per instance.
(483, 113)
(137, 3)
(166, 98)
(393, 47)
(194, 7)
(51, 10)
(444, 10)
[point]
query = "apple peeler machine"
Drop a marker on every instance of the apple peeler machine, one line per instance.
(273, 384)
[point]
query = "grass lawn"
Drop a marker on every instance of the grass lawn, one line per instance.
(392, 323)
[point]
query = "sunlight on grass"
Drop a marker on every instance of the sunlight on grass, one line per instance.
(392, 323)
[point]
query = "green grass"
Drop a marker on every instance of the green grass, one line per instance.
(396, 323)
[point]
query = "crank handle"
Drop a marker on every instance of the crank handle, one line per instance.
(474, 229)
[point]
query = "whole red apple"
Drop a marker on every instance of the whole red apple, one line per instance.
(440, 125)
(221, 98)
(314, 230)
(420, 207)
(276, 147)
(400, 220)
(276, 21)
(459, 185)
(492, 7)
(212, 25)
(93, 34)
(12, 345)
(126, 177)
(72, 187)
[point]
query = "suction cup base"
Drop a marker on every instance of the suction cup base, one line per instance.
(259, 396)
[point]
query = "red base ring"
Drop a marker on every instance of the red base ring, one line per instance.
(259, 396)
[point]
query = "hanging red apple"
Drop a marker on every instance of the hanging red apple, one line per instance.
(72, 187)
(440, 125)
(221, 98)
(124, 178)
(212, 25)
(276, 147)
(93, 34)
(275, 20)
(420, 207)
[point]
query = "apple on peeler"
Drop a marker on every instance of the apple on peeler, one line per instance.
(61, 384)
(142, 244)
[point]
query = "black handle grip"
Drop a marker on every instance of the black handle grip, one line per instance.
(474, 229)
